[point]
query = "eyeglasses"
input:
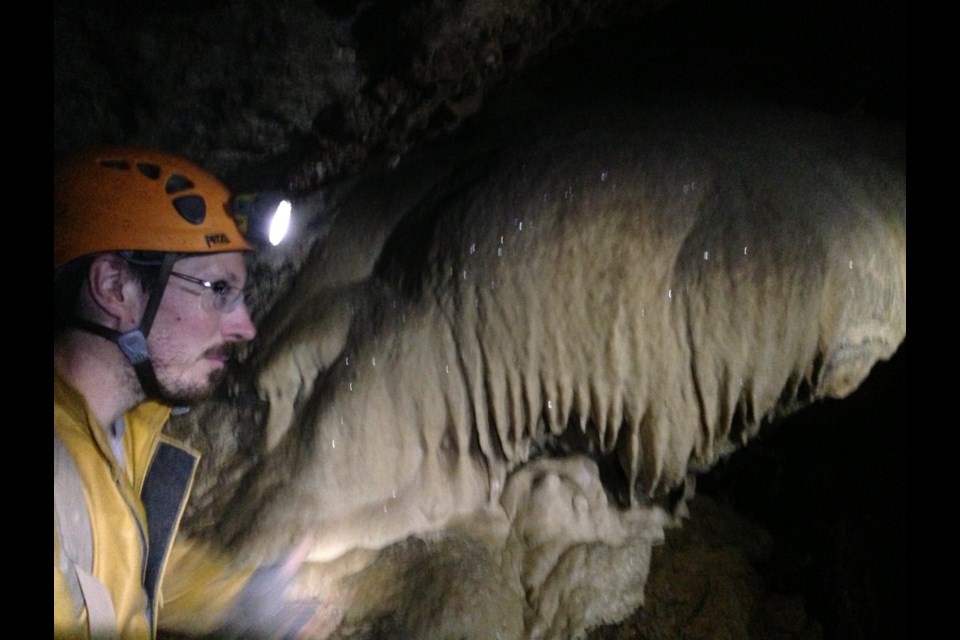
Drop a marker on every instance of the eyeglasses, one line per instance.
(216, 296)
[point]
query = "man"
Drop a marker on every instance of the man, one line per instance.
(149, 274)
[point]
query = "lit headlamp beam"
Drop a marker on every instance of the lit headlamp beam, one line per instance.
(262, 217)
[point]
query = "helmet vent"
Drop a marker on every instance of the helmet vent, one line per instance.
(191, 208)
(177, 183)
(152, 171)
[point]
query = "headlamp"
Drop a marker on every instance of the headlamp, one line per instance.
(263, 218)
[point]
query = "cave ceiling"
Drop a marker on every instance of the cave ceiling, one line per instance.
(300, 93)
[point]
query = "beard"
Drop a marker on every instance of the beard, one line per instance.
(183, 395)
(176, 391)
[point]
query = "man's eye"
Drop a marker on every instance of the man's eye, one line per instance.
(220, 287)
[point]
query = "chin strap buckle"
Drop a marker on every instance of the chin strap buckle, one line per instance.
(134, 346)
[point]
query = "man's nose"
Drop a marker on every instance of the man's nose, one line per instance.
(238, 326)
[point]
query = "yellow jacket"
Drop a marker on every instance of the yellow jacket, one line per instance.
(195, 588)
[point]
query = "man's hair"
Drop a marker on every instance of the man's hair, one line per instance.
(70, 279)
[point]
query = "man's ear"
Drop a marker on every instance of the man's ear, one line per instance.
(115, 292)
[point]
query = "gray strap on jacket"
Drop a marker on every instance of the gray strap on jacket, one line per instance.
(72, 522)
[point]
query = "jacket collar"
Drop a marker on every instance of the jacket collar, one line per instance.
(149, 416)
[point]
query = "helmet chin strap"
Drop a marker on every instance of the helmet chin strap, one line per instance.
(133, 343)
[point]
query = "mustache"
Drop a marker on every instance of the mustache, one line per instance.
(225, 351)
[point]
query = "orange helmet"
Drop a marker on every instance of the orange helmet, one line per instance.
(129, 198)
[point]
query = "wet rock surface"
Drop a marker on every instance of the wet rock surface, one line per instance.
(800, 535)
